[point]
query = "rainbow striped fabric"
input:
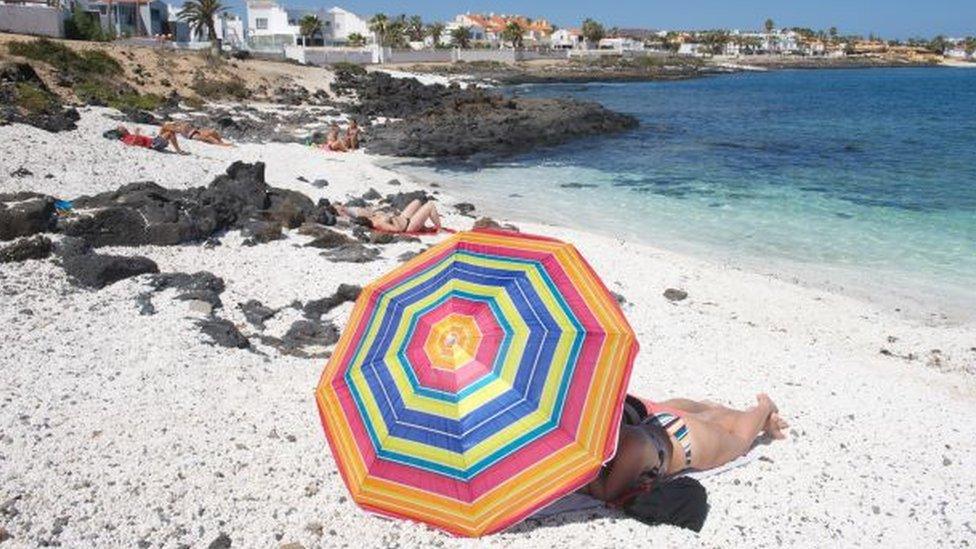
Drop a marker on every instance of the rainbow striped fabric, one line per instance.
(477, 383)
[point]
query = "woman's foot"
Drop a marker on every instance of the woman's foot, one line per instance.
(775, 424)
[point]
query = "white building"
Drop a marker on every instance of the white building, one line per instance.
(271, 25)
(692, 48)
(339, 24)
(478, 33)
(567, 39)
(621, 44)
(268, 25)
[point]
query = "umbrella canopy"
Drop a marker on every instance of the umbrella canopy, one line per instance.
(477, 383)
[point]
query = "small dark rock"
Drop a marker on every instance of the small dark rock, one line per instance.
(328, 239)
(307, 332)
(464, 208)
(262, 231)
(224, 333)
(402, 200)
(352, 253)
(620, 299)
(97, 271)
(256, 313)
(672, 294)
(407, 256)
(302, 179)
(372, 194)
(222, 541)
(320, 183)
(316, 308)
(25, 214)
(578, 186)
(489, 223)
(21, 172)
(394, 182)
(36, 247)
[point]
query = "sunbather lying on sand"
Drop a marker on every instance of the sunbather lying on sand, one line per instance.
(413, 218)
(136, 139)
(187, 130)
(681, 434)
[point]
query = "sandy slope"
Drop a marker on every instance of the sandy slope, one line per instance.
(117, 429)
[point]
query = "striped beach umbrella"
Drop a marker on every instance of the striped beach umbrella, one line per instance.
(477, 383)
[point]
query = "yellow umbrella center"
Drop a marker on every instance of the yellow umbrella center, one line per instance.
(453, 342)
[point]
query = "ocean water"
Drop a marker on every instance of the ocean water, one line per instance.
(861, 178)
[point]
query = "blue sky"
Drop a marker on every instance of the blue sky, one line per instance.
(889, 18)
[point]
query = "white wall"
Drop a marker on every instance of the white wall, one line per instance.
(26, 19)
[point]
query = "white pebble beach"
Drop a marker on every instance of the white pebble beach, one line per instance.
(126, 430)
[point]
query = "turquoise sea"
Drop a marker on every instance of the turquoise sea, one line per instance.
(865, 179)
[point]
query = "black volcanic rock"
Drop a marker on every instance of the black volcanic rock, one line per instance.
(25, 214)
(96, 271)
(495, 127)
(145, 213)
(36, 247)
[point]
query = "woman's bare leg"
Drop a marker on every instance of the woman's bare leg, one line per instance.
(412, 208)
(714, 446)
(419, 219)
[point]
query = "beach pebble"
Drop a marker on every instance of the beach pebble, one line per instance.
(673, 294)
(320, 183)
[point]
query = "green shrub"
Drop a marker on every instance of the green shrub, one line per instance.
(220, 89)
(82, 26)
(63, 58)
(35, 99)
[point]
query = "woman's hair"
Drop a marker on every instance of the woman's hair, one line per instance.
(364, 221)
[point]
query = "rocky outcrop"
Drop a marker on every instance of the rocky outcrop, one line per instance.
(146, 213)
(447, 121)
(494, 126)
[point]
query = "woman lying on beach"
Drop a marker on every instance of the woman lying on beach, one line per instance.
(164, 138)
(413, 218)
(187, 130)
(681, 434)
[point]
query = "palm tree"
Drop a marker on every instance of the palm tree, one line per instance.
(769, 25)
(513, 33)
(461, 37)
(379, 25)
(356, 39)
(434, 31)
(415, 28)
(308, 26)
(200, 14)
(832, 31)
(396, 34)
(592, 31)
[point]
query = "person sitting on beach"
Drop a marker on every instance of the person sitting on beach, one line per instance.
(352, 135)
(680, 434)
(413, 218)
(333, 142)
(165, 137)
(189, 131)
